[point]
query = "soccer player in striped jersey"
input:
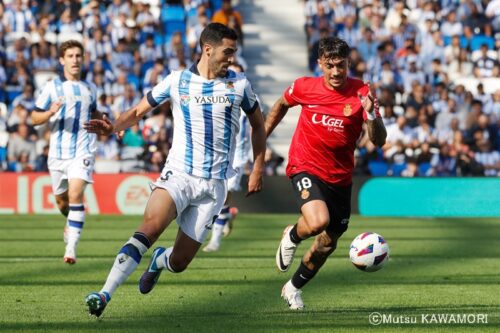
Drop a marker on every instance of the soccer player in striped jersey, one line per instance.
(321, 159)
(66, 103)
(206, 103)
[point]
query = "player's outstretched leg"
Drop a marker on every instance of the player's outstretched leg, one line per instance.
(286, 250)
(97, 303)
(152, 273)
(292, 296)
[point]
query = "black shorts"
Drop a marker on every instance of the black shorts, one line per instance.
(337, 198)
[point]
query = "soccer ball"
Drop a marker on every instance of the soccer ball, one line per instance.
(369, 252)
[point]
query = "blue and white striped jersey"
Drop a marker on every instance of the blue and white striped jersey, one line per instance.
(206, 119)
(69, 139)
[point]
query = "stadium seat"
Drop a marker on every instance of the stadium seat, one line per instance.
(396, 169)
(378, 168)
(3, 155)
(173, 19)
(172, 13)
(133, 80)
(12, 166)
(12, 93)
(479, 40)
(423, 169)
(145, 66)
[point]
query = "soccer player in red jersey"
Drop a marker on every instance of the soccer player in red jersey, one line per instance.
(321, 158)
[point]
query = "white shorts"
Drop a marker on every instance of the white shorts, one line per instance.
(234, 183)
(198, 200)
(61, 171)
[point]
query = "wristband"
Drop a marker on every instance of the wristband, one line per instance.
(371, 115)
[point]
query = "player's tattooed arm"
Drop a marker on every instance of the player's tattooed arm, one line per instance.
(375, 125)
(278, 111)
(376, 131)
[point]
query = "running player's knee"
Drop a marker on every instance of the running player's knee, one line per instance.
(318, 224)
(152, 227)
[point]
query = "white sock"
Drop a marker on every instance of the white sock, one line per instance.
(163, 261)
(74, 224)
(216, 235)
(125, 264)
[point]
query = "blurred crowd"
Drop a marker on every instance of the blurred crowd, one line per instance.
(435, 68)
(433, 64)
(130, 45)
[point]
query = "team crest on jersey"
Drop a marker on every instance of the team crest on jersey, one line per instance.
(305, 194)
(347, 110)
(184, 83)
(230, 85)
(185, 99)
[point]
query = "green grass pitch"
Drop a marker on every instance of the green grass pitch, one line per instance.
(437, 266)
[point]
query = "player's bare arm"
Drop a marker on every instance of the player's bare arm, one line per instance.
(376, 131)
(375, 125)
(278, 111)
(41, 117)
(127, 119)
(259, 149)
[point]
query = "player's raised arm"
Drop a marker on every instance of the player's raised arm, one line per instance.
(376, 128)
(278, 111)
(259, 149)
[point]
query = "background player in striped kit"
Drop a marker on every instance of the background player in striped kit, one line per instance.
(206, 101)
(224, 223)
(65, 104)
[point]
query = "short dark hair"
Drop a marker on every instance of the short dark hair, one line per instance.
(69, 44)
(333, 47)
(214, 33)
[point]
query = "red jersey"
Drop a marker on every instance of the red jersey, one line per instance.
(329, 126)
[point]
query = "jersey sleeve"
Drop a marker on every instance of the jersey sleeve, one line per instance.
(44, 100)
(290, 94)
(160, 92)
(249, 102)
